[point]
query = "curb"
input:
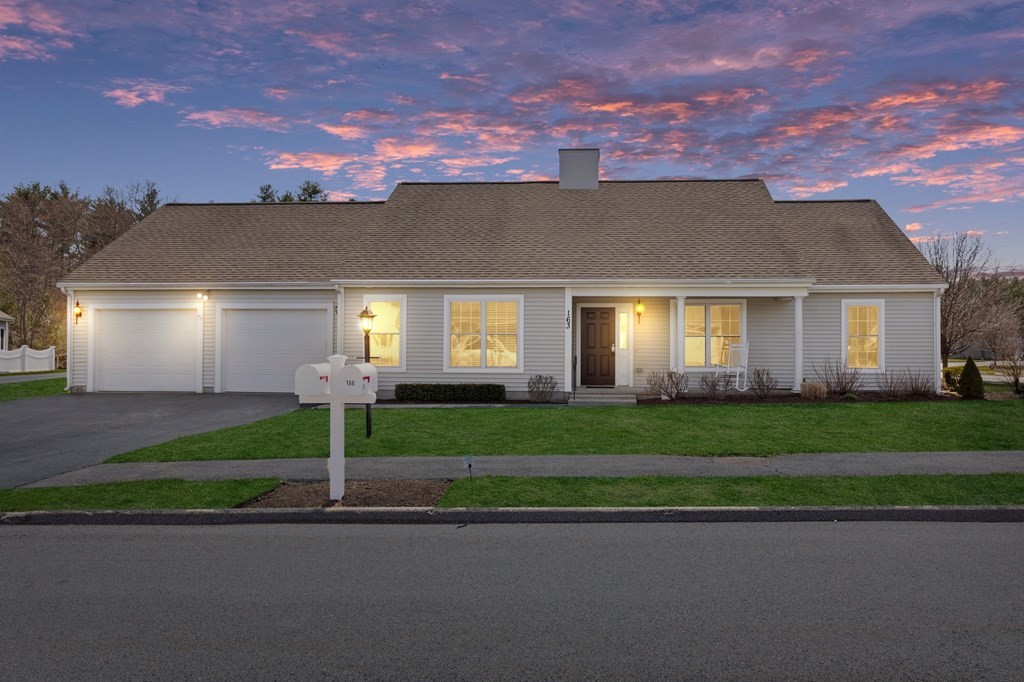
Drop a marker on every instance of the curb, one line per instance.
(429, 515)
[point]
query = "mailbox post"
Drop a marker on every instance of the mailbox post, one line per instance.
(337, 384)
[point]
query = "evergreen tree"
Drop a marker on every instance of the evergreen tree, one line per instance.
(971, 386)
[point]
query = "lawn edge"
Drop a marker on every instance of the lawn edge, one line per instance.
(435, 516)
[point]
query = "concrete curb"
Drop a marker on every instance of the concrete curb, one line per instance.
(428, 515)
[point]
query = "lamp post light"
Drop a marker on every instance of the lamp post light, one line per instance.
(366, 324)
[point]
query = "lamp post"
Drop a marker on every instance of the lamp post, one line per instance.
(366, 324)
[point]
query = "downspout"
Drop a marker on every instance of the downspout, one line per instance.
(69, 336)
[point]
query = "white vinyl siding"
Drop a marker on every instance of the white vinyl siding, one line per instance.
(543, 337)
(909, 332)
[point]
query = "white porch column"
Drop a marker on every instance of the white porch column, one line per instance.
(798, 342)
(680, 358)
(938, 342)
(567, 381)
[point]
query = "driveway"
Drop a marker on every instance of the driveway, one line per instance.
(44, 437)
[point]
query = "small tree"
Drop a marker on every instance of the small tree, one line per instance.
(1010, 364)
(971, 385)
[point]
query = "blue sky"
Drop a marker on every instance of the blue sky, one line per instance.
(917, 104)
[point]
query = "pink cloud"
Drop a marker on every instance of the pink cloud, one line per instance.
(280, 94)
(344, 131)
(237, 118)
(941, 95)
(133, 93)
(818, 121)
(333, 44)
(324, 162)
(475, 79)
(956, 137)
(463, 162)
(912, 227)
(801, 59)
(804, 191)
(368, 176)
(337, 195)
(975, 233)
(394, 149)
(371, 116)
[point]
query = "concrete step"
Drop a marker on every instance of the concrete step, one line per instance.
(608, 399)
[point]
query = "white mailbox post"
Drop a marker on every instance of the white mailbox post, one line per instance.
(336, 384)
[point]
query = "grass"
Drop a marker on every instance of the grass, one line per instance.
(35, 371)
(163, 494)
(760, 491)
(706, 430)
(31, 389)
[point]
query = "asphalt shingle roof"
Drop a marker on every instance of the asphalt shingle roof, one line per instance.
(532, 230)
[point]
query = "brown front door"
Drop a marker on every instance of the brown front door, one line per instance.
(597, 360)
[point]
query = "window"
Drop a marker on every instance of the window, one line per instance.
(623, 331)
(862, 334)
(709, 329)
(484, 332)
(386, 337)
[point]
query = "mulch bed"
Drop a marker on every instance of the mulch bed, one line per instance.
(404, 493)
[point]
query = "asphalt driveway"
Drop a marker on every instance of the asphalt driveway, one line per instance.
(44, 437)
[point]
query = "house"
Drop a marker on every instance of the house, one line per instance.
(593, 283)
(5, 330)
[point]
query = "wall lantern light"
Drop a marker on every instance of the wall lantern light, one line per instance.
(203, 296)
(77, 311)
(639, 310)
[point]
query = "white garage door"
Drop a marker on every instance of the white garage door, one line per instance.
(261, 349)
(145, 350)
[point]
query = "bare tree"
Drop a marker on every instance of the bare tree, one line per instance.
(999, 317)
(961, 259)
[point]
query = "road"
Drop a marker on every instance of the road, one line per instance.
(760, 601)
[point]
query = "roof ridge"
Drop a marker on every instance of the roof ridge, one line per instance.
(555, 182)
(273, 203)
(821, 201)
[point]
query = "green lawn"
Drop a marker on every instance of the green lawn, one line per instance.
(708, 430)
(164, 494)
(761, 491)
(32, 389)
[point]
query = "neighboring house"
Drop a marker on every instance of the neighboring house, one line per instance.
(496, 282)
(5, 330)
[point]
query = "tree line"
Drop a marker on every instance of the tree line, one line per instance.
(45, 232)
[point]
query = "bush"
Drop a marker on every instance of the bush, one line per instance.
(919, 384)
(714, 386)
(669, 384)
(541, 387)
(1011, 366)
(762, 382)
(971, 386)
(951, 375)
(812, 391)
(892, 384)
(450, 393)
(838, 378)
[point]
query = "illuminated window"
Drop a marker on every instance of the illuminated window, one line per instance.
(709, 330)
(623, 331)
(386, 337)
(484, 333)
(862, 329)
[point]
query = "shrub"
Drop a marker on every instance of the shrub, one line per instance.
(762, 382)
(971, 385)
(669, 384)
(714, 386)
(892, 384)
(919, 384)
(450, 393)
(1011, 366)
(837, 377)
(541, 387)
(951, 375)
(812, 390)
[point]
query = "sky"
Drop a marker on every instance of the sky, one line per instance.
(919, 105)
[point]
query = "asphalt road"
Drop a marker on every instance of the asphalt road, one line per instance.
(798, 601)
(44, 437)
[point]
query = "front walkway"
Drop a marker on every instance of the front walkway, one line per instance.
(378, 468)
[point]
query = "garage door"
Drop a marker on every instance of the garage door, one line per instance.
(261, 349)
(145, 350)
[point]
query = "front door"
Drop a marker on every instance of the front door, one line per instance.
(598, 350)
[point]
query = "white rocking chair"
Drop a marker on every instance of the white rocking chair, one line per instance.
(735, 369)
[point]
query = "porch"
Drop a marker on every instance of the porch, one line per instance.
(617, 341)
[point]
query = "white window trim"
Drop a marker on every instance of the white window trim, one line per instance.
(218, 326)
(519, 300)
(844, 340)
(92, 308)
(707, 303)
(402, 301)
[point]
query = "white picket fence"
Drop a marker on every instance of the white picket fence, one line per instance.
(26, 359)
